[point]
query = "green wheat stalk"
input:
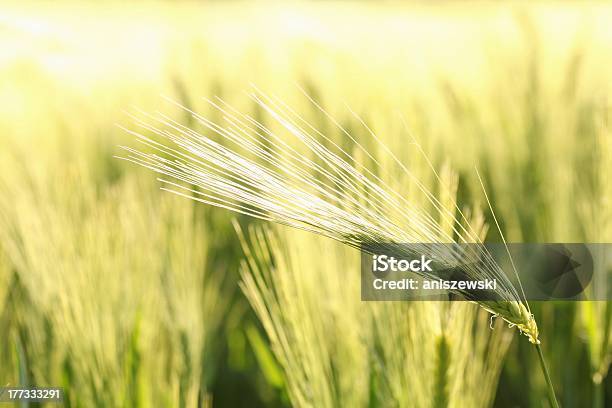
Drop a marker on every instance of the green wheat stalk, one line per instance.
(299, 177)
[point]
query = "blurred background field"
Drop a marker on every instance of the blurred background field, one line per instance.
(128, 296)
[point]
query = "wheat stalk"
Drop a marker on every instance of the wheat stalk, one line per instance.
(312, 185)
(302, 183)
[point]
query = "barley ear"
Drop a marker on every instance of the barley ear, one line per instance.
(516, 314)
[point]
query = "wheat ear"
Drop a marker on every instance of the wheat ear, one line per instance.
(299, 177)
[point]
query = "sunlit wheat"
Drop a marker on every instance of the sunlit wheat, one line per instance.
(298, 177)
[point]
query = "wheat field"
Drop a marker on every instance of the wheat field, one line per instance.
(127, 296)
